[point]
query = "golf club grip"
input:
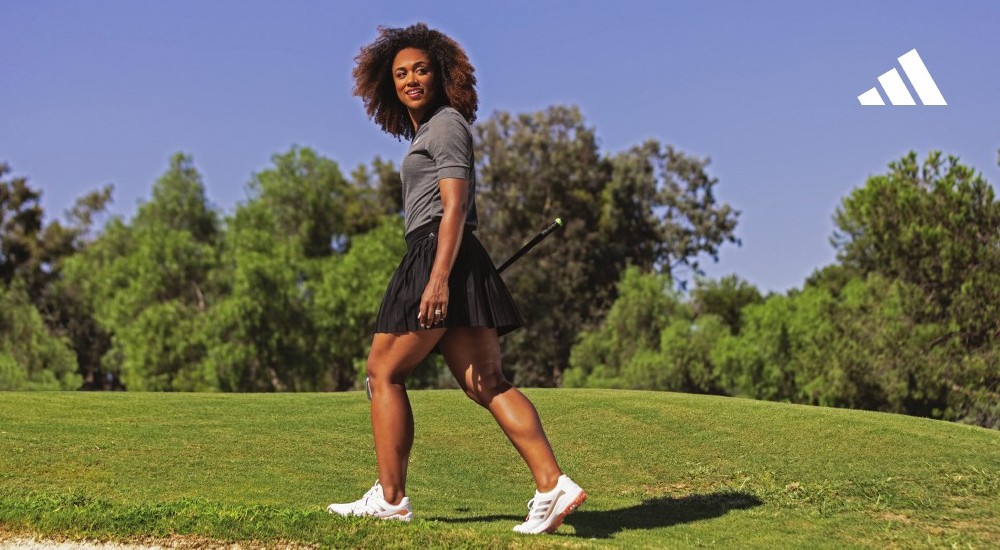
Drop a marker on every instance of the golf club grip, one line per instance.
(531, 244)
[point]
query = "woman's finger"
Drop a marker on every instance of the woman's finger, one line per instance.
(425, 317)
(440, 312)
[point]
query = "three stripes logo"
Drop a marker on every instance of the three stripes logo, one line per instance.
(895, 89)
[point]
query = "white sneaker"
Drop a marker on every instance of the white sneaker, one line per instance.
(547, 511)
(373, 504)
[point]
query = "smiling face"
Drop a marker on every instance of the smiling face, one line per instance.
(416, 83)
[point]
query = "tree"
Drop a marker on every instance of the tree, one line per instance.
(347, 297)
(887, 347)
(646, 305)
(20, 226)
(261, 331)
(649, 340)
(936, 226)
(32, 250)
(532, 169)
(311, 202)
(31, 357)
(382, 185)
(664, 201)
(301, 261)
(893, 327)
(147, 284)
(179, 203)
(32, 254)
(726, 298)
(650, 206)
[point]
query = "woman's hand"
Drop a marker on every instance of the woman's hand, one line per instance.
(434, 303)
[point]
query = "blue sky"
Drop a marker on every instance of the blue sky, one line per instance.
(103, 92)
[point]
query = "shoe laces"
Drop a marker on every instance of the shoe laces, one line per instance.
(538, 508)
(376, 490)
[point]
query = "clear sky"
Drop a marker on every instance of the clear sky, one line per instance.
(103, 92)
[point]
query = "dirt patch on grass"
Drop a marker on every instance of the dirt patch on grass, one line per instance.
(890, 516)
(30, 543)
(171, 543)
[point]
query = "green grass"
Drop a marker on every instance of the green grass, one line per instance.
(662, 470)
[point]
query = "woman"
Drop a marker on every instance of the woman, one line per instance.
(417, 83)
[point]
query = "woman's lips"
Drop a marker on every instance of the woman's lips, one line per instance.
(414, 94)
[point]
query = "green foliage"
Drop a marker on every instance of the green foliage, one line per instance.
(936, 226)
(310, 202)
(534, 168)
(614, 355)
(261, 330)
(147, 285)
(906, 323)
(31, 357)
(146, 288)
(281, 295)
(725, 298)
(686, 354)
(789, 349)
(30, 249)
(179, 203)
(650, 339)
(257, 304)
(381, 185)
(690, 222)
(20, 226)
(650, 206)
(32, 254)
(305, 261)
(347, 296)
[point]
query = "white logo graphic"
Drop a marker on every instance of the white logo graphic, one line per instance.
(894, 87)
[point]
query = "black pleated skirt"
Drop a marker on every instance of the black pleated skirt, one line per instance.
(477, 296)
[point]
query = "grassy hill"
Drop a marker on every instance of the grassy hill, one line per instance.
(661, 469)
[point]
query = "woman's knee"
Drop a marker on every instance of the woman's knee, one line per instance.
(473, 396)
(486, 385)
(381, 373)
(392, 357)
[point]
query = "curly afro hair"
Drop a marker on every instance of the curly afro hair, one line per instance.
(373, 81)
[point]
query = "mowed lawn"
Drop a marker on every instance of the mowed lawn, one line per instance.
(662, 470)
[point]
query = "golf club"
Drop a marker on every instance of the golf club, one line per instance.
(531, 244)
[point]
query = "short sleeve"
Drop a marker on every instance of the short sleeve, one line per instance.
(449, 144)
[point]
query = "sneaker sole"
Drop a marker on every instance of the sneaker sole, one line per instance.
(394, 517)
(577, 502)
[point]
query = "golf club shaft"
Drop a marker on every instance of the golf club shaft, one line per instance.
(531, 244)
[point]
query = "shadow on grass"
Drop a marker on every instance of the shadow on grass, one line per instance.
(658, 512)
(649, 514)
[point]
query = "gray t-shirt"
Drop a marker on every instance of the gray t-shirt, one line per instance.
(441, 149)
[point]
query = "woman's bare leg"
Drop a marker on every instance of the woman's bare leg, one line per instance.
(391, 359)
(473, 356)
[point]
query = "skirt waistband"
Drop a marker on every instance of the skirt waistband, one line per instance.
(429, 228)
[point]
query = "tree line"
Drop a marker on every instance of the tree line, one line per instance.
(280, 294)
(906, 321)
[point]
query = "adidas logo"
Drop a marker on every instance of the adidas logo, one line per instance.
(894, 87)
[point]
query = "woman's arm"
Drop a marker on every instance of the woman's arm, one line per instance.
(455, 201)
